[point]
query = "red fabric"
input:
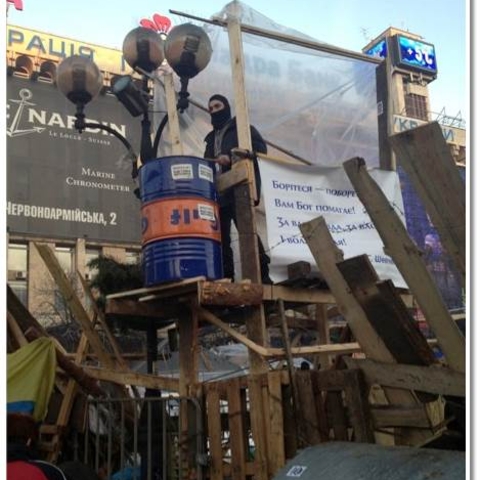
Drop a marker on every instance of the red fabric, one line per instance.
(24, 471)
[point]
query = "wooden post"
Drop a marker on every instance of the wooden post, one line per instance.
(247, 232)
(189, 358)
(323, 330)
(424, 154)
(407, 258)
(173, 124)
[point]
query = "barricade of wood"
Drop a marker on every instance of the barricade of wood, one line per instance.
(330, 405)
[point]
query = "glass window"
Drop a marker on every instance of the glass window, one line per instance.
(17, 257)
(19, 288)
(65, 257)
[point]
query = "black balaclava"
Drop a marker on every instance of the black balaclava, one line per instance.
(220, 118)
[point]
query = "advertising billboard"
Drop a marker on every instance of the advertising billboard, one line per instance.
(63, 184)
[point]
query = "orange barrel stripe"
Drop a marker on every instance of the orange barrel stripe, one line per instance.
(180, 217)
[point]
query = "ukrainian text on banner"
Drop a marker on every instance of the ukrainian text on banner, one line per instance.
(294, 194)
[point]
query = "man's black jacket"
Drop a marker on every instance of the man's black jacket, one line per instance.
(229, 141)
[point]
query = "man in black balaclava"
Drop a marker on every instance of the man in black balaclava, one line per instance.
(219, 144)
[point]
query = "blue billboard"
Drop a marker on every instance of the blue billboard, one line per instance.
(415, 55)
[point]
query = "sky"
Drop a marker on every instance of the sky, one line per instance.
(348, 24)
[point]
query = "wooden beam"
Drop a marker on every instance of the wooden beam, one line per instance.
(406, 417)
(326, 255)
(339, 348)
(237, 175)
(74, 303)
(433, 379)
(209, 317)
(131, 378)
(300, 295)
(222, 293)
(16, 331)
(386, 312)
(86, 381)
(187, 285)
(101, 320)
(173, 124)
(425, 155)
(407, 258)
(245, 194)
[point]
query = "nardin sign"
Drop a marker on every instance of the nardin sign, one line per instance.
(61, 183)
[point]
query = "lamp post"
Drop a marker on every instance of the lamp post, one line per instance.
(187, 49)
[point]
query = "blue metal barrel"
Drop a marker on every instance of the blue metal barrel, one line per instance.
(180, 220)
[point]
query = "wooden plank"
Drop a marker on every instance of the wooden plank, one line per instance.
(169, 287)
(86, 381)
(336, 415)
(188, 380)
(289, 420)
(386, 312)
(332, 348)
(257, 424)
(407, 258)
(214, 432)
(237, 175)
(16, 331)
(131, 378)
(425, 156)
(218, 293)
(308, 428)
(289, 294)
(356, 399)
(209, 317)
(133, 307)
(73, 302)
(173, 124)
(323, 333)
(237, 433)
(407, 417)
(326, 255)
(245, 194)
(323, 428)
(67, 401)
(289, 356)
(101, 320)
(276, 438)
(433, 379)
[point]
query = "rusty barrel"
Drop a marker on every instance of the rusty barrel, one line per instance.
(180, 220)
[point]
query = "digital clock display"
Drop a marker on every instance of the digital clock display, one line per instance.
(416, 55)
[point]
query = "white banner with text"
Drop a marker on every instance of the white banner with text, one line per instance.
(294, 194)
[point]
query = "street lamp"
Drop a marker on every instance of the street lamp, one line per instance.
(187, 49)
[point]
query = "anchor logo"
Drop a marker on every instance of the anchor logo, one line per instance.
(13, 130)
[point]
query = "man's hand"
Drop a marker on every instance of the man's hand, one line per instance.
(223, 160)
